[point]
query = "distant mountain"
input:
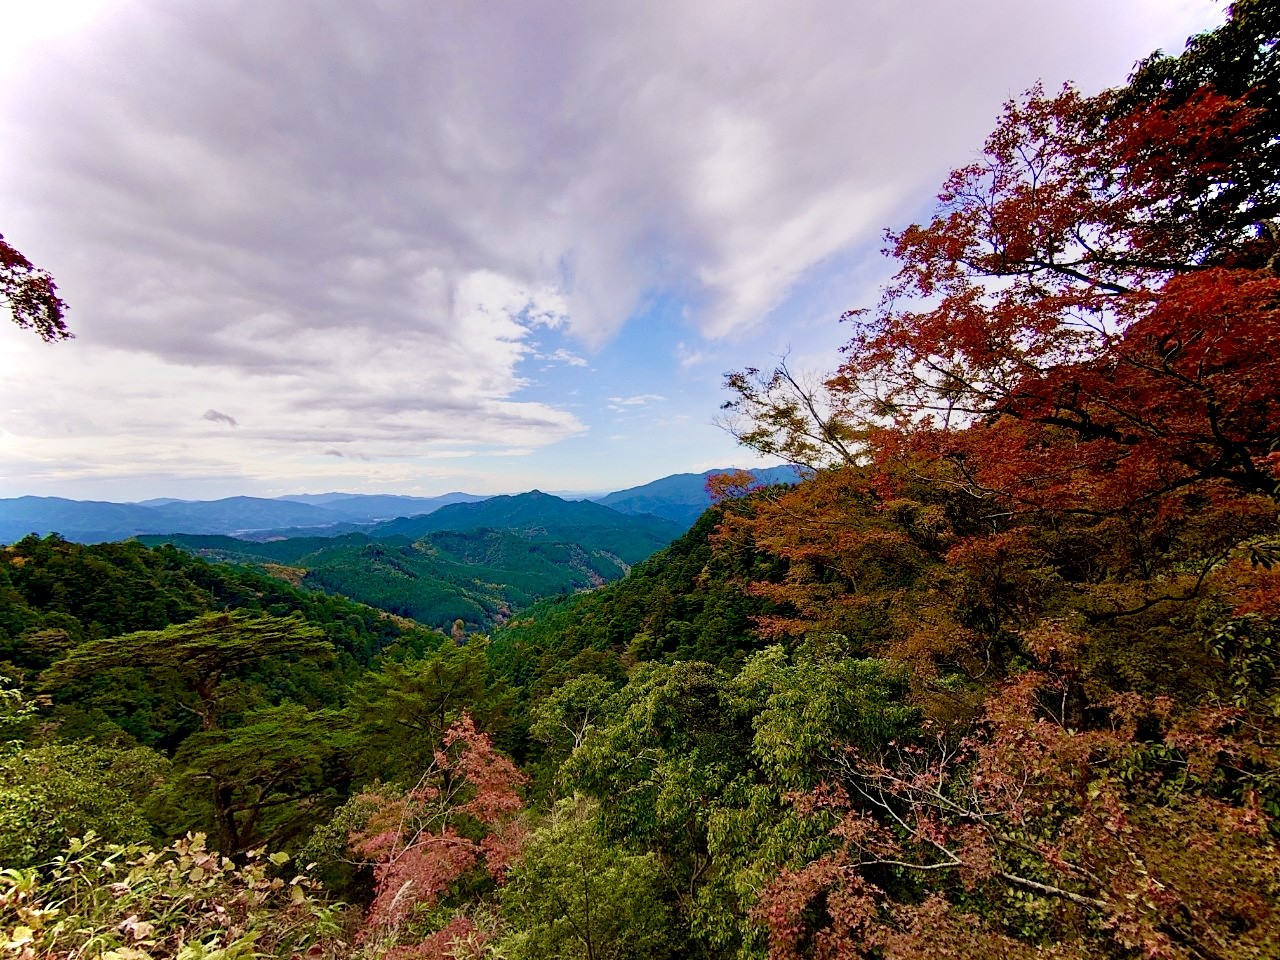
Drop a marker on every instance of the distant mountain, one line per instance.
(682, 497)
(366, 508)
(231, 514)
(87, 521)
(317, 499)
(90, 521)
(544, 517)
(477, 562)
(93, 521)
(678, 499)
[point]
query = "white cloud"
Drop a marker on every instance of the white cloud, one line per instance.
(688, 357)
(350, 223)
(639, 400)
(565, 357)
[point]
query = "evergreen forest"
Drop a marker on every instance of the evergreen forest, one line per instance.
(1000, 678)
(472, 562)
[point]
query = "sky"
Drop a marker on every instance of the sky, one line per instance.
(416, 247)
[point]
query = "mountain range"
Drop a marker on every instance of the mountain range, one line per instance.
(475, 562)
(93, 521)
(680, 498)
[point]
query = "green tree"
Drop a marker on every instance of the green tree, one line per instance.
(16, 711)
(274, 759)
(563, 718)
(575, 896)
(268, 779)
(197, 658)
(404, 707)
(51, 793)
(818, 702)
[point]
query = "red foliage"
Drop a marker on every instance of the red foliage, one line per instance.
(732, 485)
(31, 295)
(1062, 504)
(1077, 317)
(1076, 341)
(459, 939)
(460, 815)
(1119, 837)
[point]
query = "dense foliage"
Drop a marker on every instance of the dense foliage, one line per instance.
(685, 602)
(177, 694)
(1050, 491)
(998, 680)
(54, 593)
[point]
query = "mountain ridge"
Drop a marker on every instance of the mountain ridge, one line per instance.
(475, 562)
(677, 498)
(683, 497)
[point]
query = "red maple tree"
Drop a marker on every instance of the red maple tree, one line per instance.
(31, 295)
(1050, 477)
(1068, 308)
(460, 816)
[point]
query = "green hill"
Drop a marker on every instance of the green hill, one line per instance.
(55, 592)
(475, 562)
(541, 516)
(686, 602)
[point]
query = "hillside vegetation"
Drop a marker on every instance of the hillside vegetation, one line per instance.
(474, 562)
(999, 679)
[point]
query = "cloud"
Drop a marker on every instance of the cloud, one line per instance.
(688, 357)
(565, 357)
(331, 166)
(216, 416)
(358, 220)
(638, 401)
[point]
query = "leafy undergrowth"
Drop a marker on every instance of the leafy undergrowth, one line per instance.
(137, 902)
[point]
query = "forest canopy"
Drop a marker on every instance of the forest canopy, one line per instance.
(998, 679)
(1050, 462)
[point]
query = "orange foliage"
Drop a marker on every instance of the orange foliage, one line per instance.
(1061, 512)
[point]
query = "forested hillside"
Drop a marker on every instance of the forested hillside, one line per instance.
(159, 675)
(474, 562)
(998, 680)
(90, 592)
